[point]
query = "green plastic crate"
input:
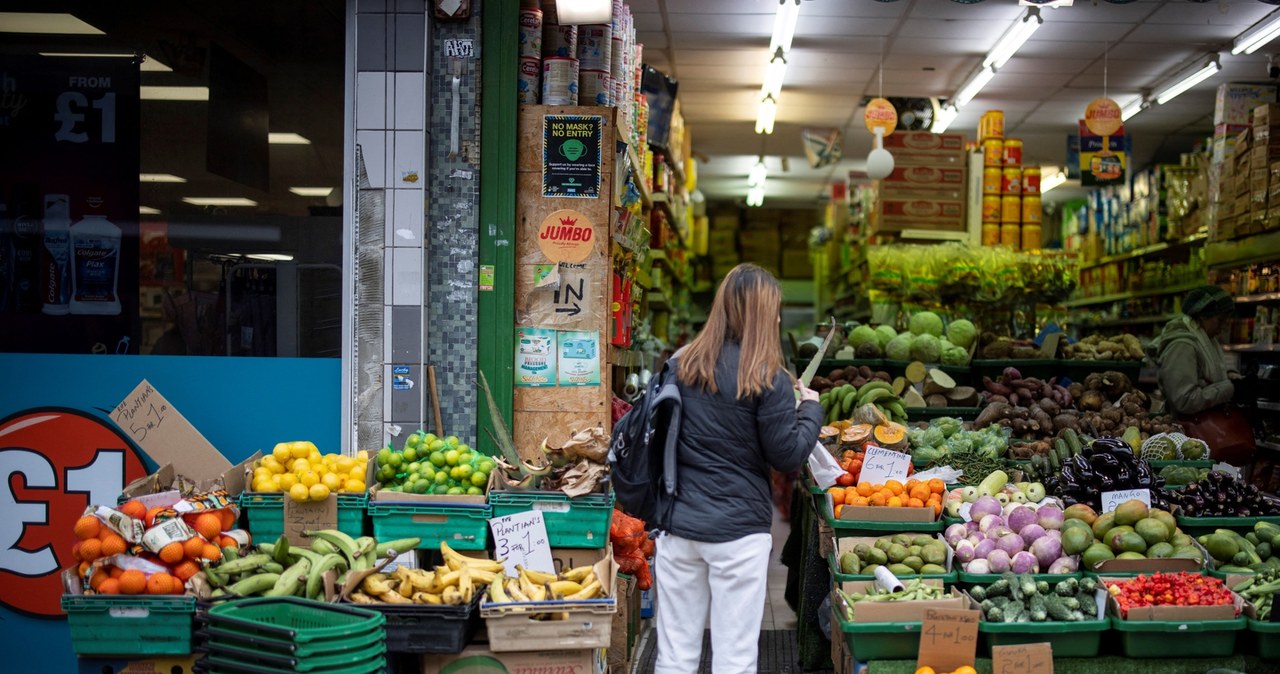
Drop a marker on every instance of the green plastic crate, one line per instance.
(1267, 637)
(346, 659)
(1157, 465)
(264, 512)
(1191, 639)
(882, 641)
(580, 522)
(462, 527)
(948, 579)
(1069, 639)
(872, 528)
(970, 579)
(129, 626)
(218, 664)
(300, 621)
(1198, 526)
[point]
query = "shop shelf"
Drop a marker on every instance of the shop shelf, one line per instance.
(1191, 639)
(462, 527)
(1068, 639)
(103, 625)
(874, 528)
(1197, 526)
(1077, 370)
(1133, 294)
(881, 641)
(1267, 637)
(927, 413)
(1188, 463)
(296, 620)
(265, 514)
(1043, 368)
(579, 522)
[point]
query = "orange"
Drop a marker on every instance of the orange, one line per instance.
(937, 486)
(194, 547)
(851, 495)
(893, 486)
(113, 545)
(75, 550)
(150, 517)
(90, 549)
(211, 552)
(208, 525)
(937, 508)
(172, 553)
(228, 519)
(839, 507)
(894, 502)
(178, 587)
(109, 586)
(133, 582)
(865, 489)
(87, 527)
(837, 494)
(97, 579)
(966, 669)
(186, 570)
(227, 542)
(925, 670)
(878, 499)
(134, 509)
(915, 503)
(160, 583)
(116, 571)
(861, 501)
(911, 482)
(83, 568)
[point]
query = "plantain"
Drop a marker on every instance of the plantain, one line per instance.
(361, 598)
(245, 564)
(315, 578)
(452, 596)
(577, 574)
(405, 588)
(254, 584)
(497, 593)
(343, 543)
(400, 545)
(375, 584)
(393, 598)
(291, 580)
(537, 577)
(565, 587)
(426, 598)
(465, 586)
(516, 591)
(590, 591)
(281, 551)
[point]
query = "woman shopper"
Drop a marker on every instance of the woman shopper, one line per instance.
(740, 419)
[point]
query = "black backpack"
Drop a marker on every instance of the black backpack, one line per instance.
(642, 451)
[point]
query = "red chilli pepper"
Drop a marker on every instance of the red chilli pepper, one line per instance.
(1170, 589)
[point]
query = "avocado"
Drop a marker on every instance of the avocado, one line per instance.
(897, 553)
(901, 570)
(914, 563)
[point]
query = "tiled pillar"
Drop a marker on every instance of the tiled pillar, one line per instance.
(424, 164)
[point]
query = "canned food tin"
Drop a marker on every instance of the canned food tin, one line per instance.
(991, 125)
(1031, 211)
(1011, 180)
(991, 180)
(990, 234)
(617, 57)
(527, 84)
(1012, 152)
(1010, 209)
(990, 208)
(1031, 180)
(559, 40)
(559, 81)
(1011, 236)
(1030, 237)
(993, 152)
(595, 42)
(594, 87)
(530, 32)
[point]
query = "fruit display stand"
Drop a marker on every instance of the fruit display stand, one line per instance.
(581, 623)
(264, 514)
(887, 630)
(572, 522)
(126, 626)
(873, 521)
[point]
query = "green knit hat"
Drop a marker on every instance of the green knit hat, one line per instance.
(1207, 301)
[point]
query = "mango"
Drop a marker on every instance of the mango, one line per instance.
(1082, 512)
(1221, 546)
(1098, 552)
(1152, 531)
(850, 564)
(1130, 512)
(913, 562)
(901, 570)
(897, 553)
(1130, 555)
(932, 569)
(1165, 517)
(1103, 524)
(1076, 540)
(1160, 551)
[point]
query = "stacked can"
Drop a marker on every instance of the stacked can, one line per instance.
(1031, 211)
(531, 45)
(1011, 193)
(991, 134)
(595, 43)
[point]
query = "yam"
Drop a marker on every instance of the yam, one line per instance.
(912, 398)
(936, 400)
(962, 396)
(858, 381)
(1050, 407)
(991, 414)
(899, 385)
(916, 372)
(882, 376)
(865, 372)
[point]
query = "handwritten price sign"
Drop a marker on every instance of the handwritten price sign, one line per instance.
(881, 464)
(1112, 499)
(948, 639)
(521, 538)
(1022, 659)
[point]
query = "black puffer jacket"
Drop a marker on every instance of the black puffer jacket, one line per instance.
(726, 449)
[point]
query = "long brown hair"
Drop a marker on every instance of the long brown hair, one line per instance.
(746, 310)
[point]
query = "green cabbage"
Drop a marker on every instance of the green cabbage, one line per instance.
(962, 333)
(899, 348)
(862, 335)
(884, 333)
(926, 323)
(955, 356)
(926, 348)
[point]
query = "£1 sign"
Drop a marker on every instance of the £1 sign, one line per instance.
(55, 462)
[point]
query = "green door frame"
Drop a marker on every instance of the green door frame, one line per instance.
(499, 111)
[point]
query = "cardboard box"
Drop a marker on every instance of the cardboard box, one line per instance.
(1261, 156)
(1266, 115)
(841, 658)
(563, 661)
(1235, 101)
(848, 543)
(896, 611)
(619, 655)
(923, 142)
(897, 214)
(1177, 613)
(881, 514)
(1135, 566)
(925, 178)
(588, 625)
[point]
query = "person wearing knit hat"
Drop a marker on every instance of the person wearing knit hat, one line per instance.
(1193, 371)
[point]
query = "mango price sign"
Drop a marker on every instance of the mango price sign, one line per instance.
(1112, 499)
(880, 464)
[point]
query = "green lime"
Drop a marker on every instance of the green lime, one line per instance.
(429, 438)
(395, 460)
(435, 445)
(485, 466)
(437, 458)
(451, 457)
(410, 454)
(441, 489)
(452, 442)
(384, 455)
(479, 478)
(413, 467)
(474, 491)
(465, 457)
(455, 491)
(462, 472)
(441, 477)
(413, 440)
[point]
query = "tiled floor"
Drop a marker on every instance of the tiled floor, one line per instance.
(777, 614)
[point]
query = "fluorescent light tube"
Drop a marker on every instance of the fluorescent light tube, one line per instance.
(774, 74)
(45, 23)
(766, 115)
(154, 93)
(311, 191)
(219, 201)
(147, 210)
(286, 139)
(1132, 108)
(160, 178)
(1187, 79)
(973, 86)
(755, 196)
(784, 26)
(1052, 181)
(946, 115)
(1257, 35)
(270, 257)
(574, 12)
(758, 174)
(1013, 39)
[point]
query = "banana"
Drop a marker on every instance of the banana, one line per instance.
(577, 573)
(272, 567)
(453, 558)
(449, 578)
(422, 580)
(872, 386)
(482, 577)
(400, 545)
(870, 397)
(281, 551)
(315, 579)
(534, 591)
(296, 552)
(497, 593)
(428, 598)
(465, 586)
(565, 587)
(375, 584)
(591, 591)
(254, 584)
(361, 598)
(323, 547)
(405, 589)
(452, 596)
(366, 547)
(393, 598)
(243, 565)
(344, 544)
(552, 595)
(538, 577)
(516, 591)
(288, 583)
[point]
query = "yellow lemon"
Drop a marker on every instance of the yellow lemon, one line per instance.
(299, 449)
(345, 464)
(319, 492)
(332, 481)
(299, 493)
(260, 472)
(260, 485)
(281, 452)
(269, 461)
(287, 480)
(300, 466)
(309, 479)
(363, 455)
(357, 473)
(354, 486)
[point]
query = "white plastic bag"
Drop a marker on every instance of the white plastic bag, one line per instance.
(824, 467)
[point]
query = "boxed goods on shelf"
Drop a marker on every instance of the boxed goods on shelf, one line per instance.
(1072, 615)
(887, 630)
(855, 558)
(1206, 629)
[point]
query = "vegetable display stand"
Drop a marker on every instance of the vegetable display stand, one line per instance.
(264, 512)
(463, 527)
(971, 579)
(960, 373)
(881, 641)
(1041, 368)
(1267, 636)
(425, 628)
(579, 522)
(1189, 639)
(948, 578)
(1197, 526)
(1077, 370)
(928, 413)
(115, 626)
(1068, 639)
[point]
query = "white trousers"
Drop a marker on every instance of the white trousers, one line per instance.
(729, 580)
